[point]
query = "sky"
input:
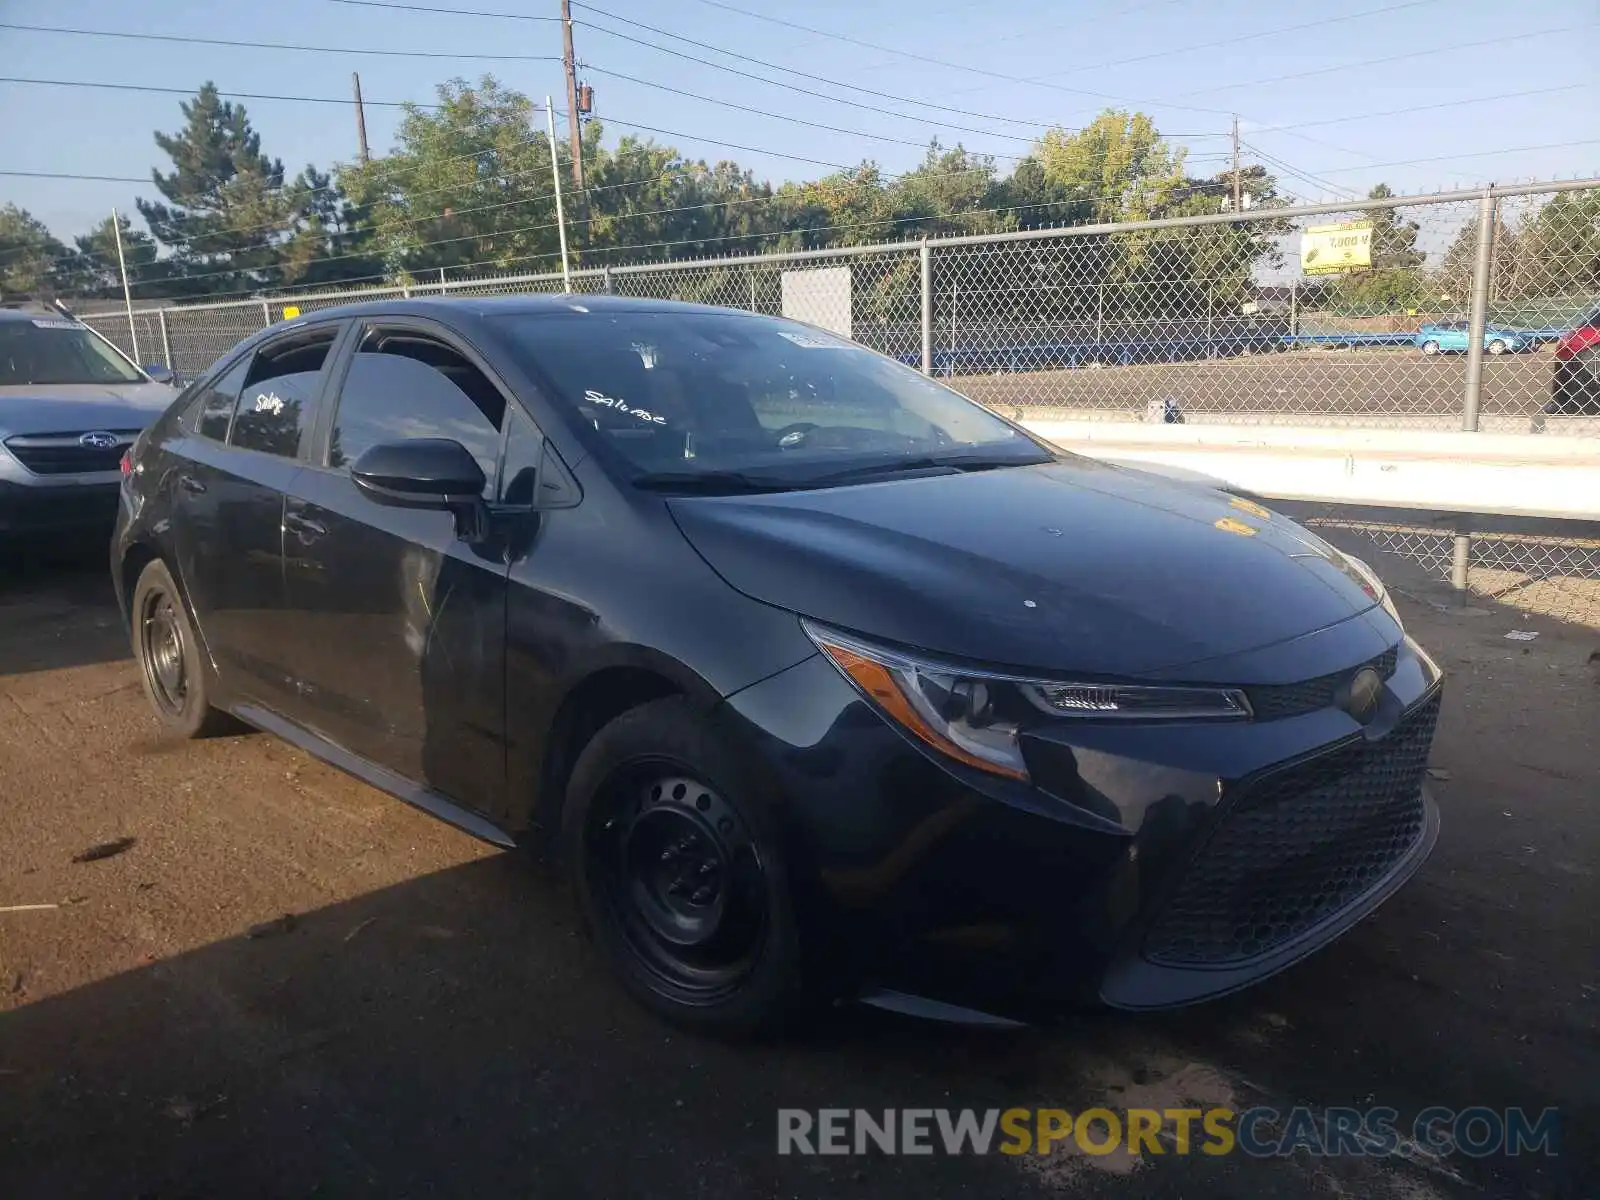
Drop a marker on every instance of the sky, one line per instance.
(1469, 92)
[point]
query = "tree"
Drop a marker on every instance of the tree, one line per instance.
(468, 185)
(93, 266)
(1395, 281)
(230, 218)
(1118, 165)
(30, 255)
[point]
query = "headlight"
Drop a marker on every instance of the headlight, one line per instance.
(1372, 585)
(977, 717)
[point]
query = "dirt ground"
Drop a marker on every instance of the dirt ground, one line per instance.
(431, 1022)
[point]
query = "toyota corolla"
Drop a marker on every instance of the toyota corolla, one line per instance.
(821, 680)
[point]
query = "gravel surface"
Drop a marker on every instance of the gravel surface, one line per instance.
(270, 980)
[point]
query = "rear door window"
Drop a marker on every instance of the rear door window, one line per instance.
(279, 391)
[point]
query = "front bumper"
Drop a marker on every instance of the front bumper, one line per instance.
(48, 510)
(1101, 881)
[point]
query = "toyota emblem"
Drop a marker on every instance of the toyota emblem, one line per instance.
(1360, 696)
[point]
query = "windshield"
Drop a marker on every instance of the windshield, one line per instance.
(56, 350)
(701, 398)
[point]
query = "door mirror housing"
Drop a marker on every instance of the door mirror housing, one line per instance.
(160, 374)
(436, 473)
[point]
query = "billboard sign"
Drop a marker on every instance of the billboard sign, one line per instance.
(1331, 249)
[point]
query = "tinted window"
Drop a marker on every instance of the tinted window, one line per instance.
(279, 391)
(48, 349)
(403, 385)
(215, 404)
(675, 392)
(524, 447)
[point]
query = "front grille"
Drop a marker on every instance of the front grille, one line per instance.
(63, 454)
(1296, 845)
(1276, 701)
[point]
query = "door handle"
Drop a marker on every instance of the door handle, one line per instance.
(191, 485)
(305, 527)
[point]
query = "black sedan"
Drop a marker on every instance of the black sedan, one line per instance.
(821, 679)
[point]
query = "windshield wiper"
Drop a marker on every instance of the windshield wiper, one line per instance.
(957, 462)
(725, 482)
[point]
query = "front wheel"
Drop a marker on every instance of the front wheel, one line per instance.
(1497, 347)
(1430, 347)
(680, 874)
(168, 653)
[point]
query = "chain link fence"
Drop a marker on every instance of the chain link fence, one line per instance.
(1537, 570)
(1462, 310)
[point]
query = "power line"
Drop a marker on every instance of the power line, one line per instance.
(693, 241)
(486, 234)
(347, 50)
(1411, 162)
(854, 87)
(804, 91)
(1290, 169)
(1374, 62)
(939, 62)
(1230, 41)
(724, 103)
(70, 175)
(1077, 22)
(1413, 108)
(456, 12)
(173, 91)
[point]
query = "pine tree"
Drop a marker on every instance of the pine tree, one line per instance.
(230, 218)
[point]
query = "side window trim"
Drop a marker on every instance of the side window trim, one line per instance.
(316, 456)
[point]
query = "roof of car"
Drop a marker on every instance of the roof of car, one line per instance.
(28, 310)
(485, 306)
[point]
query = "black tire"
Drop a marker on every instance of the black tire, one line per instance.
(1430, 347)
(171, 667)
(658, 793)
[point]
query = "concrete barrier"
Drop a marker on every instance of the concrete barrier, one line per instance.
(1510, 474)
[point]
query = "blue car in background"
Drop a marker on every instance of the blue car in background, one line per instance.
(1451, 336)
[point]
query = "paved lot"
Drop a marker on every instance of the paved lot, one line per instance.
(1350, 384)
(433, 1023)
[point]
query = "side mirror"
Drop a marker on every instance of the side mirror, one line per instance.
(433, 473)
(160, 374)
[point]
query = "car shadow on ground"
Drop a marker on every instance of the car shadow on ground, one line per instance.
(57, 608)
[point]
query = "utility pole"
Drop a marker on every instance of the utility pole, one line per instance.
(571, 62)
(361, 119)
(127, 293)
(555, 175)
(1238, 190)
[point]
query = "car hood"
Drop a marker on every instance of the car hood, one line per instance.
(79, 407)
(1067, 566)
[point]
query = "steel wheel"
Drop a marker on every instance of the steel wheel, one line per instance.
(1497, 347)
(161, 631)
(1430, 348)
(681, 878)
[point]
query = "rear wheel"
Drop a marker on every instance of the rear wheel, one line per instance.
(1497, 347)
(1430, 347)
(168, 654)
(679, 872)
